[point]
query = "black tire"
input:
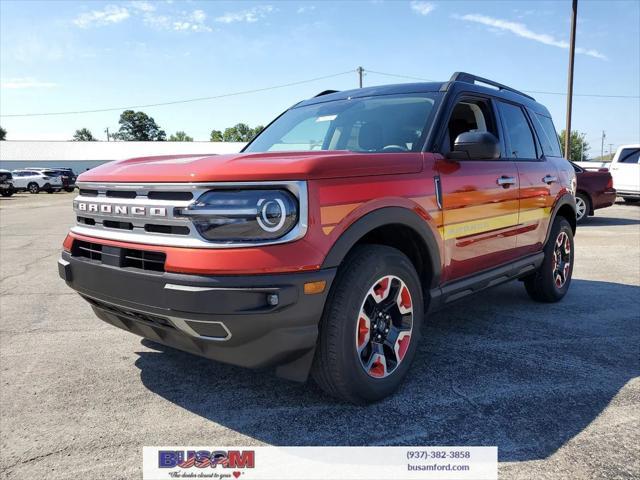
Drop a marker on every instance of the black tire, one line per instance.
(33, 188)
(583, 207)
(544, 285)
(338, 366)
(631, 199)
(68, 189)
(7, 193)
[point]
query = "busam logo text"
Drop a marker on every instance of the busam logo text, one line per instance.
(235, 459)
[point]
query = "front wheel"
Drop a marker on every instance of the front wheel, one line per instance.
(8, 192)
(33, 187)
(370, 328)
(551, 281)
(631, 199)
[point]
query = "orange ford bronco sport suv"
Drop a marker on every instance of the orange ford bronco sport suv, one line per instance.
(322, 246)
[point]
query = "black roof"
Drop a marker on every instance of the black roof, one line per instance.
(459, 81)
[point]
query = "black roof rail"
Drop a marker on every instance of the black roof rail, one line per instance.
(471, 78)
(326, 92)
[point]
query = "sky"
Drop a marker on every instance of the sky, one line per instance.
(91, 55)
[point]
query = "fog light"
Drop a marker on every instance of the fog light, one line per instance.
(272, 299)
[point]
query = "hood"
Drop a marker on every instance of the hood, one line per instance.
(254, 167)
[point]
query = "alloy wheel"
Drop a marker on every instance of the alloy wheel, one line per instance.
(581, 208)
(561, 259)
(385, 323)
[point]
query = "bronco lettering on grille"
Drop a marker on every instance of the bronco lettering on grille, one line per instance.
(136, 210)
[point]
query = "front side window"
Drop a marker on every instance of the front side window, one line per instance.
(469, 115)
(518, 132)
(381, 124)
(629, 155)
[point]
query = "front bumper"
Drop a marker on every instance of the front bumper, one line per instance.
(225, 318)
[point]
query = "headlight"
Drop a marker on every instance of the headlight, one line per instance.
(243, 215)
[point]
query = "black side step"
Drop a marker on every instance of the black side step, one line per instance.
(450, 292)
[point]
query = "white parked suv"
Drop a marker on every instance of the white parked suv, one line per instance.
(625, 170)
(34, 181)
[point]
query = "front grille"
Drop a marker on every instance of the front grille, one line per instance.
(167, 229)
(92, 251)
(120, 257)
(151, 213)
(120, 225)
(121, 194)
(144, 260)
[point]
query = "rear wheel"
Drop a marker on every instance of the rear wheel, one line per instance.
(8, 192)
(583, 207)
(33, 187)
(551, 282)
(631, 199)
(370, 327)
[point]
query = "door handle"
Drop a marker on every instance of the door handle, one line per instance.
(549, 179)
(506, 181)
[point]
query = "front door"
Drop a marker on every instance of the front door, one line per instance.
(479, 198)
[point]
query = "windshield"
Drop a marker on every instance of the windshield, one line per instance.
(389, 123)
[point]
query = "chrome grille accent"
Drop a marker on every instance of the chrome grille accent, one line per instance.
(145, 213)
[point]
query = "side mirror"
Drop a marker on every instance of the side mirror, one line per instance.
(475, 146)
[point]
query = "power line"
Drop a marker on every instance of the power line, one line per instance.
(175, 102)
(526, 91)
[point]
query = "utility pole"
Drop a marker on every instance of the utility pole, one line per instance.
(107, 132)
(572, 52)
(604, 135)
(360, 71)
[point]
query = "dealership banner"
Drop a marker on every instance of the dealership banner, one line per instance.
(320, 463)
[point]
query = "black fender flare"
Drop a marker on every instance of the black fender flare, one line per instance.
(565, 199)
(382, 217)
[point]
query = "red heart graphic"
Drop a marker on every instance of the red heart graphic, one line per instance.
(236, 474)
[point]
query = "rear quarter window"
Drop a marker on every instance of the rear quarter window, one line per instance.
(547, 134)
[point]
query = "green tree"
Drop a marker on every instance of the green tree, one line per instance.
(83, 135)
(257, 130)
(216, 136)
(579, 147)
(3, 134)
(180, 137)
(240, 132)
(138, 126)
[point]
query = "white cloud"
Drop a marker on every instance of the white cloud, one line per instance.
(521, 30)
(18, 83)
(109, 15)
(308, 8)
(194, 22)
(251, 15)
(422, 8)
(143, 6)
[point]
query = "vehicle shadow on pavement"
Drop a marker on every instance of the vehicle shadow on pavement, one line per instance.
(497, 369)
(608, 222)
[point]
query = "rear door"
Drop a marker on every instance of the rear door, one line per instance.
(538, 176)
(479, 197)
(626, 171)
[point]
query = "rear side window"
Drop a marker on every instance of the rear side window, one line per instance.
(548, 136)
(629, 155)
(518, 132)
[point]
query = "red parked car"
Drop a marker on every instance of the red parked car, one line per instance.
(595, 190)
(319, 248)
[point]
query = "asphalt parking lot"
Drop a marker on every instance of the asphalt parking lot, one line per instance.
(555, 387)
